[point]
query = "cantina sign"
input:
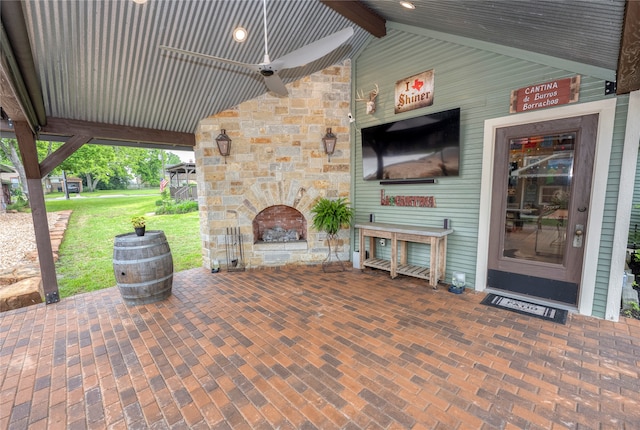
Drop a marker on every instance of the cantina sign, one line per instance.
(545, 95)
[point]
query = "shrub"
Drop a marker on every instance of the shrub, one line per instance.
(177, 208)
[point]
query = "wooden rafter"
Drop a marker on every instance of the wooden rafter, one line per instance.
(360, 15)
(118, 133)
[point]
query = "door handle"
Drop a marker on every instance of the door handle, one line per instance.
(578, 234)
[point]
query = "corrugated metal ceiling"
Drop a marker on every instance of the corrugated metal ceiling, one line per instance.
(586, 31)
(99, 60)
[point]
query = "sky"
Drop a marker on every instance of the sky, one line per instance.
(185, 156)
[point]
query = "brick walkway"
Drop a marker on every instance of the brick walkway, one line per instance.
(299, 349)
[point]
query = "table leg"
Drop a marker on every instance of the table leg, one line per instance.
(394, 256)
(434, 264)
(403, 252)
(363, 249)
(372, 247)
(443, 256)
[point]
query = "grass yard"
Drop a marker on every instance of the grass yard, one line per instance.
(86, 254)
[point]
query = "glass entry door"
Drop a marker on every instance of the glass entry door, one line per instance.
(539, 186)
(541, 193)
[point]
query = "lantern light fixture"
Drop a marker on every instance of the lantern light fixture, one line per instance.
(224, 144)
(329, 141)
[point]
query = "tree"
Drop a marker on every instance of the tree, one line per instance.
(112, 166)
(148, 164)
(9, 151)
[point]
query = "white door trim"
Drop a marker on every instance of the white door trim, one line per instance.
(623, 211)
(606, 110)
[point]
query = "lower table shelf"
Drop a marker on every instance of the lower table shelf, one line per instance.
(378, 263)
(402, 269)
(415, 271)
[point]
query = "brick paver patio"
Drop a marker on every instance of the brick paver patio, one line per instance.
(297, 348)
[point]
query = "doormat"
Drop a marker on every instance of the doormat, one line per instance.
(526, 308)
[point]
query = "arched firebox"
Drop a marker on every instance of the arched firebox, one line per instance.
(279, 224)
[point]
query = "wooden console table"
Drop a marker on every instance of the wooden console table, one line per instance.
(401, 234)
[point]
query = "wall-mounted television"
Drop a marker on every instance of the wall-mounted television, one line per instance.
(419, 148)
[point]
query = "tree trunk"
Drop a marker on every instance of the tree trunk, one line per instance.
(9, 147)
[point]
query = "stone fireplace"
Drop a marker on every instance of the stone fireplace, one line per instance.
(279, 223)
(276, 171)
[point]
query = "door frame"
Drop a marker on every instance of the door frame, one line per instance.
(625, 203)
(606, 110)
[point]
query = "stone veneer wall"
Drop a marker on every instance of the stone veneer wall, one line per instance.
(277, 158)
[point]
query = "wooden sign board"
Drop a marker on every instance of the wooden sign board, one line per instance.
(414, 92)
(548, 94)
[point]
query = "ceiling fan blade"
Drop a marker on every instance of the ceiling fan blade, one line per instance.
(253, 67)
(312, 51)
(275, 84)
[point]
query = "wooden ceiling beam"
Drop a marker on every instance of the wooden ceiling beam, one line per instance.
(359, 14)
(628, 74)
(59, 155)
(118, 133)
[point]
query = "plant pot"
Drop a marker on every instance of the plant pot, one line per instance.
(139, 231)
(456, 290)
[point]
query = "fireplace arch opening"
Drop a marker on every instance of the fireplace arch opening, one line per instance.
(279, 224)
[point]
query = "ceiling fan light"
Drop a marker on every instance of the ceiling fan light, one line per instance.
(240, 34)
(407, 4)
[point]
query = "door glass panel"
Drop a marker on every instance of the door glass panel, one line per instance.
(539, 186)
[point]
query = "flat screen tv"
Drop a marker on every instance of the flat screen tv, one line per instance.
(419, 148)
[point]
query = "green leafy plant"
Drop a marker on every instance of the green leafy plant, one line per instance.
(177, 207)
(138, 221)
(633, 311)
(20, 203)
(331, 215)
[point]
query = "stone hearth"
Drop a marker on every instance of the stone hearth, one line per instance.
(279, 223)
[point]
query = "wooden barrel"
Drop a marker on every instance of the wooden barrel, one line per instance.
(143, 267)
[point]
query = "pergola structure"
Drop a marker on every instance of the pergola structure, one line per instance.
(91, 72)
(180, 175)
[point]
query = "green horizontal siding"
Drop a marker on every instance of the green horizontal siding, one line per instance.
(479, 81)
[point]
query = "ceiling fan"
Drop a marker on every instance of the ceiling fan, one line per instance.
(269, 69)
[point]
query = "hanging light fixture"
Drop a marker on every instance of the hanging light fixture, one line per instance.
(329, 141)
(224, 144)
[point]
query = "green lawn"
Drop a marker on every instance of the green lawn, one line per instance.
(86, 253)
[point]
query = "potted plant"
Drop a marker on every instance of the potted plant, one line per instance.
(330, 216)
(139, 223)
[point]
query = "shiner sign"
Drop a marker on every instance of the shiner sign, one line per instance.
(548, 94)
(414, 92)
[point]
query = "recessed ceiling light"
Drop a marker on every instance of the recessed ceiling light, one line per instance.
(407, 4)
(240, 34)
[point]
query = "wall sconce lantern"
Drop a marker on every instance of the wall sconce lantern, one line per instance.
(224, 144)
(329, 141)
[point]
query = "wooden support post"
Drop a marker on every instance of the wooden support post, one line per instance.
(29, 153)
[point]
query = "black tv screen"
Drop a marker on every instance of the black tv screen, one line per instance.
(417, 148)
